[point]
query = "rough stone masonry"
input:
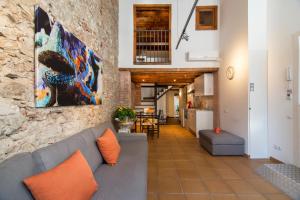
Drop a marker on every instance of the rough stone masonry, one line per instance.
(22, 126)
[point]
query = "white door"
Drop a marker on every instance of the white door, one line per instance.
(258, 104)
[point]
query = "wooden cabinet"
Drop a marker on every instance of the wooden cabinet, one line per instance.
(192, 120)
(204, 120)
(204, 85)
(190, 88)
(199, 120)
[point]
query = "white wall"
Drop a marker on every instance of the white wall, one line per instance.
(271, 42)
(176, 105)
(234, 52)
(147, 92)
(170, 103)
(200, 43)
(297, 101)
(258, 75)
(162, 104)
(283, 24)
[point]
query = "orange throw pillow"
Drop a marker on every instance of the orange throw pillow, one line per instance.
(109, 147)
(72, 179)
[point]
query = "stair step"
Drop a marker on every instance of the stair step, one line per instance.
(284, 176)
(148, 100)
(147, 104)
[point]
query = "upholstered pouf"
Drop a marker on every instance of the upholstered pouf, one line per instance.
(224, 143)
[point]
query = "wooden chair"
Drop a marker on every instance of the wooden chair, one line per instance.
(162, 118)
(154, 129)
(146, 122)
(138, 122)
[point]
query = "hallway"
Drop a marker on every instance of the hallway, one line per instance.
(178, 169)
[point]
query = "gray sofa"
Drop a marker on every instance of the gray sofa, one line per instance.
(125, 181)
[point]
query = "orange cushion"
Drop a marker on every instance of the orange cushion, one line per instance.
(109, 147)
(72, 179)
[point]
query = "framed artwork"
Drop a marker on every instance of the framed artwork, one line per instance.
(206, 17)
(67, 72)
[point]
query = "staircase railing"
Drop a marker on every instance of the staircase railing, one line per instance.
(152, 47)
(183, 33)
(161, 95)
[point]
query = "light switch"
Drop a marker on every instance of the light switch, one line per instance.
(251, 87)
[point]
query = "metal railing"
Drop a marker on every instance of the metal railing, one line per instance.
(152, 47)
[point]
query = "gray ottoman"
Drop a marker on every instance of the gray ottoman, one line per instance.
(222, 144)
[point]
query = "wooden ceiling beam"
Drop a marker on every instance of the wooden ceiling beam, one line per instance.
(162, 70)
(167, 76)
(160, 79)
(163, 74)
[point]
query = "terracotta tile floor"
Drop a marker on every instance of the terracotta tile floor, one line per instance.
(179, 169)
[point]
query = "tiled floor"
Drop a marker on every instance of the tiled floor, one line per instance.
(179, 169)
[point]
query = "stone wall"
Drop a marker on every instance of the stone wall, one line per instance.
(137, 94)
(125, 88)
(23, 127)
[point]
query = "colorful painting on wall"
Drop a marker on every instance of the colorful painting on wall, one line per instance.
(67, 72)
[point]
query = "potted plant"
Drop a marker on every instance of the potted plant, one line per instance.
(125, 117)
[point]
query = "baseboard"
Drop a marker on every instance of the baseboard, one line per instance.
(276, 160)
(247, 156)
(271, 159)
(193, 132)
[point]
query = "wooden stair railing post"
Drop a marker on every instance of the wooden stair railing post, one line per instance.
(155, 100)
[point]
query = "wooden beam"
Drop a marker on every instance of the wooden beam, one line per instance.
(169, 76)
(161, 70)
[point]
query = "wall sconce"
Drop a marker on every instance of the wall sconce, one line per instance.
(230, 72)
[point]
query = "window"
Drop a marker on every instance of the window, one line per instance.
(152, 34)
(206, 17)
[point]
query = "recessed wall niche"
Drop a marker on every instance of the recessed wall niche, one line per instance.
(206, 17)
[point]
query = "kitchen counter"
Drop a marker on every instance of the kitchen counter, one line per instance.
(200, 109)
(198, 119)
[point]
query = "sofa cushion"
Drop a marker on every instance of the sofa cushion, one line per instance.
(93, 156)
(127, 179)
(12, 173)
(54, 154)
(72, 179)
(100, 129)
(224, 138)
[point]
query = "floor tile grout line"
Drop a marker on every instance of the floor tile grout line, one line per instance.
(190, 147)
